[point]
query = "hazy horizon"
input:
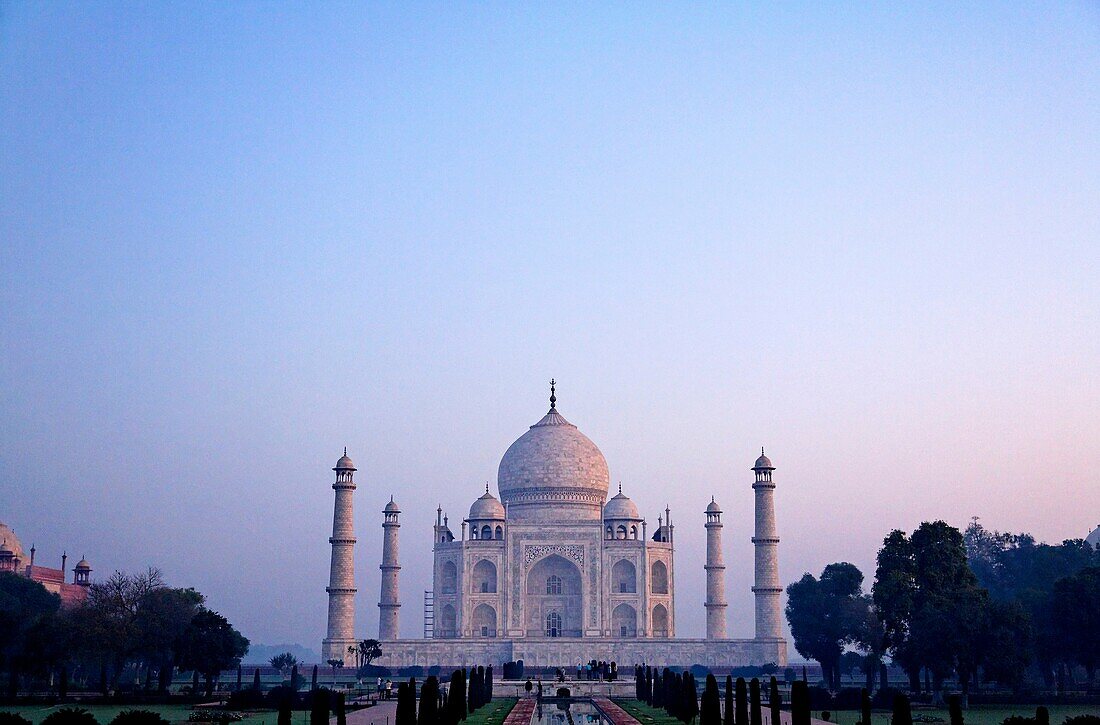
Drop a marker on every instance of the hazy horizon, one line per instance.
(238, 238)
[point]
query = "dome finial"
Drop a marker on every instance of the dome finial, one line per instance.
(486, 487)
(553, 398)
(761, 450)
(345, 450)
(620, 486)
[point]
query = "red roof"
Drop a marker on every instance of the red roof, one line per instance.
(72, 594)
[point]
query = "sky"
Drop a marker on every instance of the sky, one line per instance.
(235, 238)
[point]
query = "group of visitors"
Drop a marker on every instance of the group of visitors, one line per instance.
(597, 670)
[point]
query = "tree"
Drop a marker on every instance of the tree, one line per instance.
(756, 716)
(70, 716)
(27, 617)
(456, 696)
(934, 613)
(903, 713)
(341, 709)
(800, 703)
(406, 704)
(335, 664)
(1076, 609)
(741, 703)
(429, 702)
(112, 620)
(209, 645)
(689, 705)
(825, 614)
(138, 717)
(369, 650)
(319, 706)
(160, 618)
(710, 712)
(284, 663)
(774, 701)
(728, 700)
(1009, 644)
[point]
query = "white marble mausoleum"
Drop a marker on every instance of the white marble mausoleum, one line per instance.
(554, 573)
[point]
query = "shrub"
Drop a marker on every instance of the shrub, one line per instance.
(246, 699)
(11, 718)
(139, 717)
(1083, 720)
(214, 716)
(884, 698)
(850, 698)
(276, 696)
(1019, 720)
(70, 716)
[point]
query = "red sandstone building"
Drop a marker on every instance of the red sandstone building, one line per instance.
(14, 559)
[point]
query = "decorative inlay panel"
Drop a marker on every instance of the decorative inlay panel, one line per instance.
(573, 552)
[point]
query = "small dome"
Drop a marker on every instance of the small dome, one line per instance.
(621, 507)
(487, 507)
(344, 464)
(763, 463)
(1094, 537)
(391, 507)
(83, 564)
(10, 542)
(713, 507)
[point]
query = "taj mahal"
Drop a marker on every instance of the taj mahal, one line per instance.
(553, 572)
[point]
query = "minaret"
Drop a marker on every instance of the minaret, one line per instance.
(341, 579)
(716, 574)
(767, 589)
(388, 604)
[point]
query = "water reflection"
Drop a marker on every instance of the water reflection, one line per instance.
(567, 711)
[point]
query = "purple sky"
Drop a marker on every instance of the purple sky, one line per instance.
(234, 239)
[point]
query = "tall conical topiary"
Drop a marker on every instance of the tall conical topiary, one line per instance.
(741, 703)
(955, 711)
(406, 705)
(256, 680)
(286, 702)
(756, 716)
(429, 702)
(903, 714)
(313, 682)
(710, 711)
(456, 696)
(865, 708)
(690, 703)
(774, 702)
(341, 712)
(729, 700)
(319, 706)
(800, 703)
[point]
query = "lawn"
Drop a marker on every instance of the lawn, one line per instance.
(976, 715)
(172, 713)
(493, 713)
(645, 714)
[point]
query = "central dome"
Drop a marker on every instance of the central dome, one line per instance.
(551, 466)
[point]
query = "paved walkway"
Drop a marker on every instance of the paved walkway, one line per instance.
(614, 714)
(522, 712)
(384, 713)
